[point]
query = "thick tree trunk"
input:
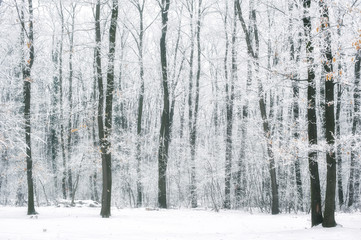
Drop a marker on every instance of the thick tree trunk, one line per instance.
(27, 63)
(329, 214)
(107, 160)
(101, 132)
(316, 210)
(165, 123)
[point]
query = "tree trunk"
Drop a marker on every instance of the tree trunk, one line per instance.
(316, 210)
(104, 130)
(27, 63)
(329, 214)
(296, 111)
(193, 106)
(355, 126)
(338, 125)
(262, 105)
(70, 99)
(54, 119)
(62, 144)
(240, 188)
(165, 124)
(140, 8)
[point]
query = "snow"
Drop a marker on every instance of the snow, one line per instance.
(85, 223)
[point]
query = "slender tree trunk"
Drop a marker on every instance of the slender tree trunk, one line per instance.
(355, 126)
(338, 125)
(245, 112)
(296, 111)
(229, 108)
(70, 100)
(54, 119)
(165, 124)
(62, 143)
(194, 106)
(140, 105)
(254, 53)
(316, 210)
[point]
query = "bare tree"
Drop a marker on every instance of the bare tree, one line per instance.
(165, 119)
(316, 209)
(26, 66)
(253, 52)
(105, 122)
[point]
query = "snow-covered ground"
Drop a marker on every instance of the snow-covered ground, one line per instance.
(85, 223)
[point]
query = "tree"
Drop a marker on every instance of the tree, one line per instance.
(253, 52)
(329, 214)
(353, 178)
(194, 106)
(165, 123)
(296, 110)
(27, 63)
(140, 43)
(70, 100)
(316, 210)
(105, 123)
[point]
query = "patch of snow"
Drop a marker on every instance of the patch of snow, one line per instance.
(80, 223)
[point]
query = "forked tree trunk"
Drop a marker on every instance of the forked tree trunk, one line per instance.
(316, 210)
(254, 53)
(105, 125)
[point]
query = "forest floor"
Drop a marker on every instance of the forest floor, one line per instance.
(81, 223)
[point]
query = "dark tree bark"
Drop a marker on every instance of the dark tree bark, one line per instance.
(355, 125)
(27, 63)
(105, 125)
(165, 119)
(316, 210)
(54, 117)
(254, 53)
(329, 213)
